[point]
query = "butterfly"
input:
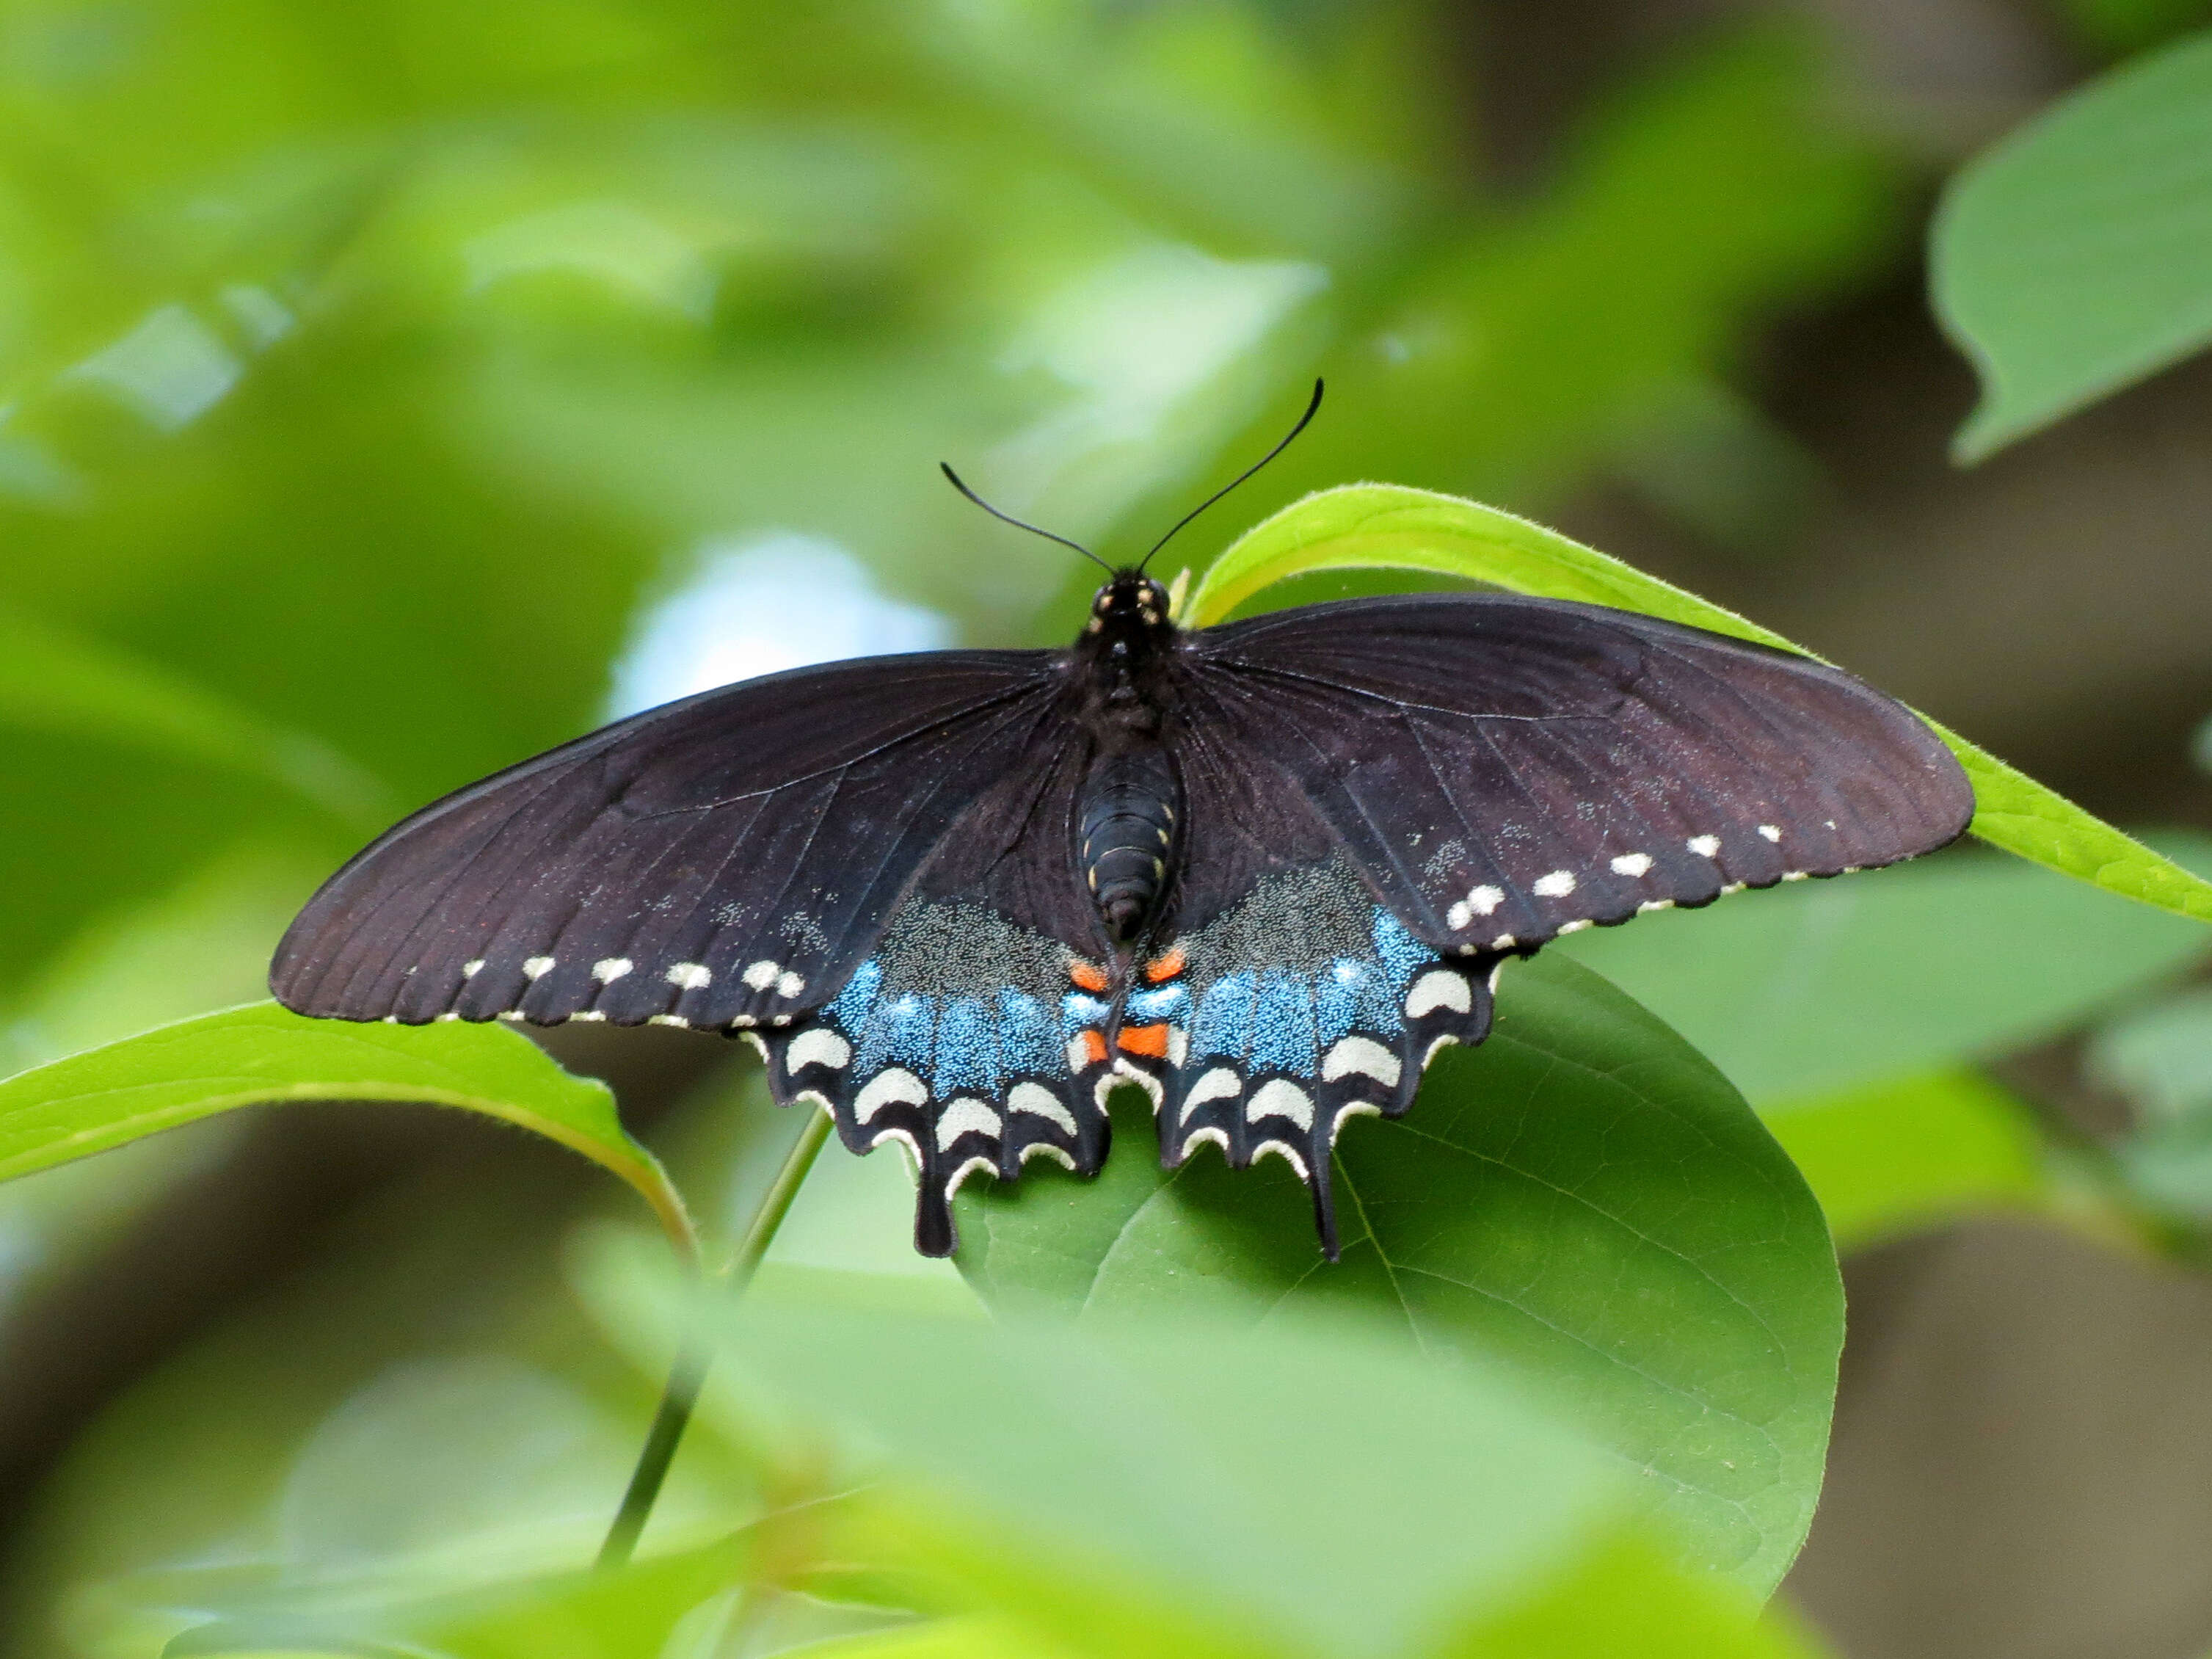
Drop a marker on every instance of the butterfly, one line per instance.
(1263, 871)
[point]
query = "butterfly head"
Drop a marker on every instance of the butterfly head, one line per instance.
(1131, 606)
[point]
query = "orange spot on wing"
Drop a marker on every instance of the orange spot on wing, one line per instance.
(1166, 967)
(1151, 1039)
(1094, 1048)
(1090, 976)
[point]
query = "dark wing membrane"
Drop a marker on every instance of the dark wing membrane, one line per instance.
(723, 860)
(966, 1033)
(1504, 770)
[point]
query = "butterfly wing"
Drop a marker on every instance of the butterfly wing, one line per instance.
(1389, 797)
(866, 867)
(1504, 770)
(974, 1031)
(723, 860)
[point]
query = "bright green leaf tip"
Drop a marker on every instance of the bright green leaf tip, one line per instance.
(261, 1054)
(1389, 526)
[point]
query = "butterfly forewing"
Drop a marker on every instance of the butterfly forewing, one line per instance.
(723, 860)
(1501, 769)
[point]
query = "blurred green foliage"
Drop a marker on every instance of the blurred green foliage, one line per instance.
(377, 374)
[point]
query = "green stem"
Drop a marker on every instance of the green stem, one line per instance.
(688, 1372)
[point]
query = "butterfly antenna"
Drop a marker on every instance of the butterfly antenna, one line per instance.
(1008, 518)
(1311, 408)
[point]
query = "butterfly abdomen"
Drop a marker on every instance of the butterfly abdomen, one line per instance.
(1127, 836)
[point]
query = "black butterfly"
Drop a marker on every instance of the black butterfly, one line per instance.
(1264, 870)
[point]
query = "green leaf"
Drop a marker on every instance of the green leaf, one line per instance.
(629, 1614)
(1310, 1482)
(1388, 526)
(984, 1637)
(1622, 1596)
(2075, 257)
(261, 1054)
(1584, 1200)
(1903, 1155)
(1816, 988)
(54, 681)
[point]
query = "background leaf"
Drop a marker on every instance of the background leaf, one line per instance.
(1915, 1152)
(1815, 987)
(261, 1054)
(1582, 1200)
(2075, 257)
(1384, 527)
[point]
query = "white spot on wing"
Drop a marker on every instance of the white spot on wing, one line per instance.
(1364, 1056)
(1437, 988)
(1458, 916)
(1078, 1053)
(537, 967)
(1706, 847)
(893, 1084)
(1143, 1079)
(691, 975)
(966, 1116)
(761, 974)
(1059, 1155)
(668, 1020)
(1200, 1137)
(1558, 884)
(1772, 832)
(1566, 927)
(1280, 1098)
(1795, 875)
(1650, 905)
(1484, 900)
(1038, 1101)
(819, 1046)
(1631, 863)
(789, 985)
(1357, 1108)
(610, 969)
(470, 969)
(1219, 1084)
(968, 1168)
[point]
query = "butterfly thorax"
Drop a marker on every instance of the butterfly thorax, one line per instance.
(1131, 797)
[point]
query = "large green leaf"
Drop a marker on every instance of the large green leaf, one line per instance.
(2075, 257)
(261, 1054)
(1583, 1198)
(1387, 526)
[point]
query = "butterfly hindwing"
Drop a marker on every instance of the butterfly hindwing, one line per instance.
(1302, 1004)
(967, 1037)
